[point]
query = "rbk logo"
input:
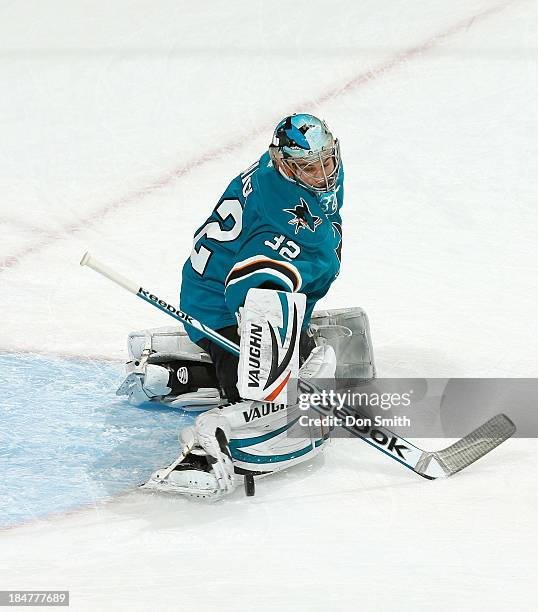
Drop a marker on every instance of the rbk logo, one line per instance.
(302, 217)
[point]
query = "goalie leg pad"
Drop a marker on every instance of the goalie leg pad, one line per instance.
(164, 340)
(244, 439)
(166, 366)
(272, 437)
(279, 444)
(267, 437)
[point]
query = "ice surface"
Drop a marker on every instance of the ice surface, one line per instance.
(67, 441)
(121, 124)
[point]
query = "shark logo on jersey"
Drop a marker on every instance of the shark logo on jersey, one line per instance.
(302, 217)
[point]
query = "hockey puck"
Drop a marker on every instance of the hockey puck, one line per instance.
(250, 487)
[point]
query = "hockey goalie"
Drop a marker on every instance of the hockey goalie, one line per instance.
(268, 252)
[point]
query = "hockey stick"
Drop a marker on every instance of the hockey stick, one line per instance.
(147, 296)
(429, 464)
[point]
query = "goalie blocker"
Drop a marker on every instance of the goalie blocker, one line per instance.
(270, 325)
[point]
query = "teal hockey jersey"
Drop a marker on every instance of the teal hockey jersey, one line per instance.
(265, 230)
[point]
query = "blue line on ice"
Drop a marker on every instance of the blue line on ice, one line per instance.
(66, 440)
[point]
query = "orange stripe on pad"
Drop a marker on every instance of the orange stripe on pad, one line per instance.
(274, 394)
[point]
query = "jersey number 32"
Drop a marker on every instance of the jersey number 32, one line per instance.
(226, 209)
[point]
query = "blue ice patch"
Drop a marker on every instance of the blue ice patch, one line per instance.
(67, 441)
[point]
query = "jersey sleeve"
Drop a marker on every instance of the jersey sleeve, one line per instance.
(257, 264)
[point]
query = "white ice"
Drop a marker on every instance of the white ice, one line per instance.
(121, 124)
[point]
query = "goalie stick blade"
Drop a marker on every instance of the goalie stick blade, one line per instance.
(469, 449)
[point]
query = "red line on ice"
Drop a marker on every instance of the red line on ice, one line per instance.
(137, 195)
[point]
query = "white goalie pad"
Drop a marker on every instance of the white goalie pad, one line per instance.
(164, 340)
(270, 328)
(147, 380)
(245, 439)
